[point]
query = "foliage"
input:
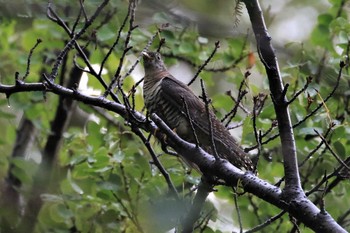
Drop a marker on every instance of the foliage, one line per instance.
(104, 179)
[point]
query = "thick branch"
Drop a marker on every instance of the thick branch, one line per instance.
(268, 57)
(301, 208)
(204, 188)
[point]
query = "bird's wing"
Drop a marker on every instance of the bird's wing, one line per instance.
(177, 92)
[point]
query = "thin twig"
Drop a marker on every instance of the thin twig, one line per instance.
(331, 150)
(83, 10)
(239, 217)
(76, 22)
(156, 161)
(255, 207)
(203, 224)
(308, 81)
(38, 41)
(161, 43)
(316, 148)
(116, 40)
(217, 45)
(230, 115)
(108, 16)
(149, 43)
(257, 133)
(190, 62)
(245, 110)
(117, 77)
(341, 65)
(273, 125)
(204, 188)
(126, 210)
(191, 122)
(325, 178)
(258, 228)
(55, 18)
(295, 225)
(211, 134)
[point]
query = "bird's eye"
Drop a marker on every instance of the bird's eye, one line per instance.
(158, 56)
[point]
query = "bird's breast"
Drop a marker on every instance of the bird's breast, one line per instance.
(157, 103)
(151, 92)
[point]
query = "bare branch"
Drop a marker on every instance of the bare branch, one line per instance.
(268, 58)
(239, 217)
(341, 67)
(316, 148)
(308, 81)
(156, 161)
(117, 77)
(204, 188)
(241, 93)
(231, 175)
(207, 163)
(267, 222)
(217, 45)
(38, 41)
(81, 52)
(116, 40)
(211, 134)
(76, 36)
(332, 151)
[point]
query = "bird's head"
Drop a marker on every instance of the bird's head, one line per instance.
(152, 62)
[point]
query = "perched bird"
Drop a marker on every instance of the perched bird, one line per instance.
(172, 100)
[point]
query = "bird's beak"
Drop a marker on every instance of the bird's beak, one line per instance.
(145, 54)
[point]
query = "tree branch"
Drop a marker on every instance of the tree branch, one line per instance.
(204, 188)
(301, 208)
(268, 58)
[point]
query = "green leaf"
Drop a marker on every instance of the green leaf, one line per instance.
(64, 212)
(51, 198)
(340, 149)
(321, 36)
(186, 48)
(95, 136)
(168, 35)
(24, 169)
(106, 185)
(105, 33)
(74, 186)
(309, 131)
(118, 156)
(325, 19)
(339, 132)
(222, 101)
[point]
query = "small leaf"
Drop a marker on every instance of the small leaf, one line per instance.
(64, 212)
(186, 48)
(118, 156)
(168, 35)
(310, 131)
(105, 33)
(51, 198)
(325, 19)
(74, 186)
(340, 149)
(106, 185)
(321, 36)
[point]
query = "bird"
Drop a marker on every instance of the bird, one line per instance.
(176, 104)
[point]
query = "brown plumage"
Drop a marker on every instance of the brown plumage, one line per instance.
(165, 96)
